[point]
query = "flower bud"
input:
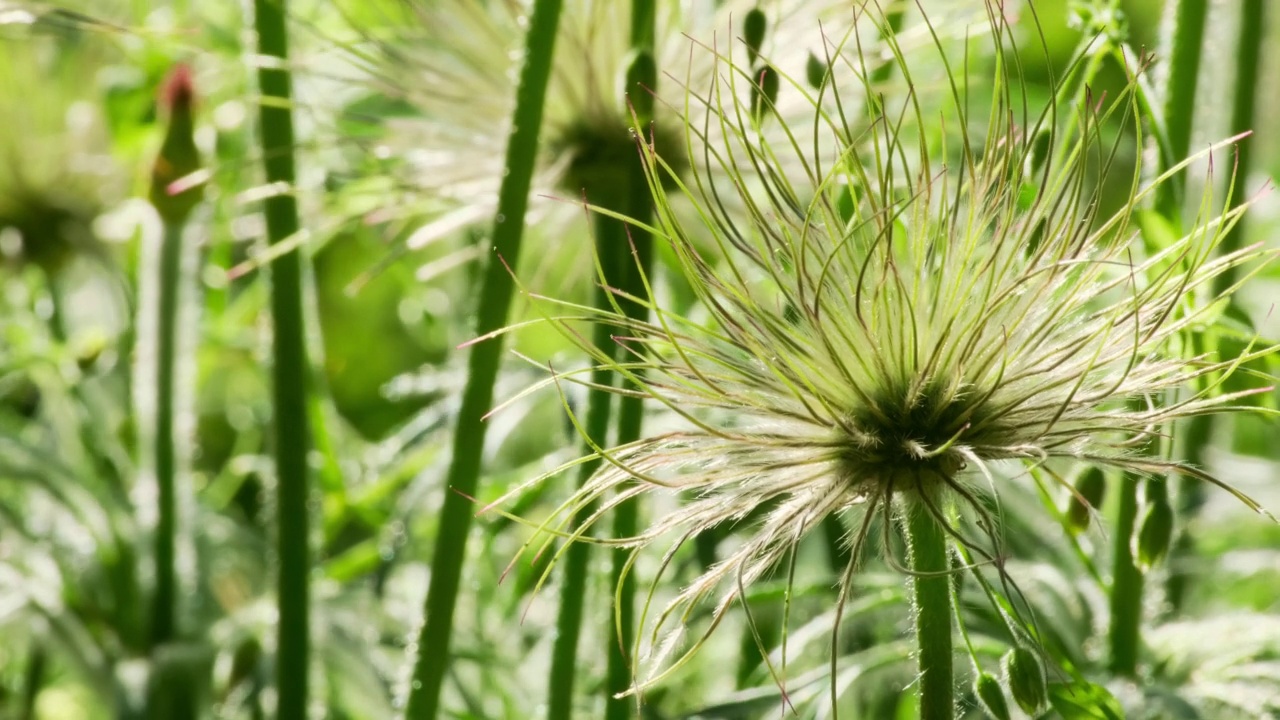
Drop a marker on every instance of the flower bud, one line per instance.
(764, 92)
(815, 71)
(172, 194)
(991, 695)
(1026, 679)
(1090, 489)
(1155, 534)
(753, 29)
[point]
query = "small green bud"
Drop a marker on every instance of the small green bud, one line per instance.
(1026, 679)
(815, 72)
(764, 93)
(753, 29)
(1155, 534)
(991, 695)
(1090, 489)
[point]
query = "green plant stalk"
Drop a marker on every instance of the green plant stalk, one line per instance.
(432, 661)
(564, 652)
(626, 520)
(931, 601)
(1253, 23)
(1126, 584)
(33, 679)
(289, 370)
(642, 81)
(1199, 430)
(177, 159)
(165, 600)
(1189, 18)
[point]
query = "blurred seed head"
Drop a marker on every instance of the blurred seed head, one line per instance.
(56, 171)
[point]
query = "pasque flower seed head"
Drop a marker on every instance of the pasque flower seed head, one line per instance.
(895, 312)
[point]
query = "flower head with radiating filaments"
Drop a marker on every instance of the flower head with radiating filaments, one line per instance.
(895, 318)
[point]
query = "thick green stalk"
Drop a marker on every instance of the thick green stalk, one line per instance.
(931, 600)
(642, 80)
(610, 236)
(289, 370)
(1186, 42)
(1126, 584)
(495, 298)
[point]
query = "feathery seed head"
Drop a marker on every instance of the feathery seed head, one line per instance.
(456, 71)
(897, 303)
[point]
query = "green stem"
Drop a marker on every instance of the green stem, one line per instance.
(564, 652)
(931, 596)
(1126, 584)
(33, 679)
(642, 81)
(289, 369)
(1253, 22)
(1199, 429)
(1186, 42)
(432, 660)
(165, 600)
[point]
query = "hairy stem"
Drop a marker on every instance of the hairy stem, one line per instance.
(164, 601)
(1126, 584)
(289, 369)
(931, 600)
(432, 661)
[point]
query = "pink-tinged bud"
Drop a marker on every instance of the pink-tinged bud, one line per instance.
(174, 193)
(178, 92)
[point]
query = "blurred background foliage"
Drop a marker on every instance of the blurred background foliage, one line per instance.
(78, 130)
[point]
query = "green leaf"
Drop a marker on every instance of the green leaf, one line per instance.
(1083, 700)
(1157, 232)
